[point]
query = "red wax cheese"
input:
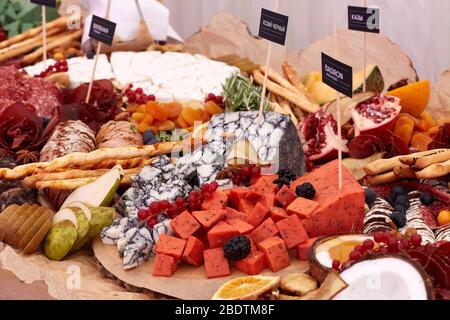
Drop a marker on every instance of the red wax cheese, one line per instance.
(253, 264)
(193, 252)
(216, 265)
(164, 266)
(241, 226)
(246, 206)
(184, 225)
(302, 249)
(234, 214)
(302, 207)
(268, 200)
(277, 256)
(292, 231)
(218, 200)
(264, 185)
(252, 195)
(221, 233)
(170, 246)
(235, 196)
(257, 215)
(340, 211)
(209, 218)
(277, 213)
(265, 230)
(285, 196)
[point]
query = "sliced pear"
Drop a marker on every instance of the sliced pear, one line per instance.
(79, 205)
(60, 240)
(63, 215)
(83, 225)
(98, 193)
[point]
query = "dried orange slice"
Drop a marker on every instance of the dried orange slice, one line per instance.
(246, 288)
(413, 97)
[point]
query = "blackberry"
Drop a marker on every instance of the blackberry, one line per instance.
(371, 196)
(403, 201)
(237, 248)
(285, 177)
(397, 191)
(399, 219)
(306, 190)
(426, 198)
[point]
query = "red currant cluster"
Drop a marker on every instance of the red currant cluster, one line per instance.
(138, 96)
(196, 198)
(59, 66)
(387, 242)
(245, 175)
(216, 99)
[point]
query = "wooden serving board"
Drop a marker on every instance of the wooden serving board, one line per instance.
(188, 283)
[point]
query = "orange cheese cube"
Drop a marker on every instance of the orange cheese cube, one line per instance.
(218, 200)
(208, 218)
(184, 225)
(277, 213)
(193, 252)
(253, 264)
(164, 266)
(264, 185)
(221, 233)
(277, 256)
(302, 207)
(234, 214)
(241, 226)
(235, 196)
(170, 246)
(302, 249)
(257, 215)
(246, 206)
(216, 265)
(292, 231)
(285, 196)
(265, 230)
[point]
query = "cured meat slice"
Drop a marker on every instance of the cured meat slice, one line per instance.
(114, 134)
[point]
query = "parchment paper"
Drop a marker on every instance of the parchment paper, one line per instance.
(439, 105)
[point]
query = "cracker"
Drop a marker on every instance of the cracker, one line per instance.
(20, 219)
(34, 228)
(30, 220)
(11, 216)
(4, 217)
(34, 243)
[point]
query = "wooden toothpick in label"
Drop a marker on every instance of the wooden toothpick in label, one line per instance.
(44, 4)
(103, 31)
(273, 27)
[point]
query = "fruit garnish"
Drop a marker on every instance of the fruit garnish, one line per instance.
(444, 217)
(414, 97)
(246, 288)
(59, 66)
(305, 190)
(237, 248)
(285, 177)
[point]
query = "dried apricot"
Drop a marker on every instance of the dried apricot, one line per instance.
(138, 117)
(404, 132)
(212, 108)
(404, 120)
(148, 119)
(166, 125)
(428, 118)
(131, 108)
(142, 127)
(420, 141)
(191, 115)
(433, 130)
(181, 123)
(423, 125)
(173, 109)
(141, 109)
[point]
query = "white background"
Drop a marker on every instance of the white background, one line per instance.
(420, 27)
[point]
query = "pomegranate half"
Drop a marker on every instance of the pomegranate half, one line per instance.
(319, 134)
(374, 115)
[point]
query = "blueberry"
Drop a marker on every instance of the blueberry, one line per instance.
(403, 201)
(149, 137)
(398, 191)
(399, 219)
(400, 208)
(426, 198)
(371, 196)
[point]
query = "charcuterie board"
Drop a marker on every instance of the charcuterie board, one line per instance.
(188, 282)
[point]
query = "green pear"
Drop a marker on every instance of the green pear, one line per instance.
(98, 193)
(101, 218)
(83, 224)
(60, 240)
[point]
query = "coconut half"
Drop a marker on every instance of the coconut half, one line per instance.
(385, 278)
(322, 253)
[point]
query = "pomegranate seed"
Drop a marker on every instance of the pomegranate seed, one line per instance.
(368, 244)
(336, 264)
(155, 207)
(354, 255)
(164, 205)
(416, 240)
(142, 214)
(379, 237)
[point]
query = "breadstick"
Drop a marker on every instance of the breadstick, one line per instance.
(433, 171)
(35, 55)
(404, 171)
(383, 165)
(57, 23)
(71, 184)
(425, 161)
(7, 54)
(35, 40)
(298, 100)
(411, 159)
(293, 77)
(287, 109)
(383, 178)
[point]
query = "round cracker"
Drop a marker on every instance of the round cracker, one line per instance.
(28, 223)
(33, 245)
(34, 228)
(11, 216)
(20, 219)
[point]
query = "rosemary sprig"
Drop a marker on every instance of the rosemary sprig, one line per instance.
(242, 95)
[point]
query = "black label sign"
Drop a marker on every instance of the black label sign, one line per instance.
(102, 30)
(47, 3)
(364, 19)
(273, 26)
(337, 75)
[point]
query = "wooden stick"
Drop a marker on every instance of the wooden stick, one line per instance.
(266, 75)
(44, 36)
(97, 53)
(365, 55)
(338, 111)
